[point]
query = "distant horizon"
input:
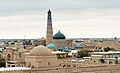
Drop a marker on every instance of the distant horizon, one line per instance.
(66, 38)
(75, 19)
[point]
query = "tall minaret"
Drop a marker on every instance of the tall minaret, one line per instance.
(49, 33)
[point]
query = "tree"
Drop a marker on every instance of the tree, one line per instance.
(108, 49)
(27, 42)
(2, 59)
(2, 62)
(15, 41)
(83, 53)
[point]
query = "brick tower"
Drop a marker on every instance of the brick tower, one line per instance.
(49, 33)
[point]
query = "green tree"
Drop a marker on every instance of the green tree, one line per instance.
(2, 62)
(83, 53)
(108, 49)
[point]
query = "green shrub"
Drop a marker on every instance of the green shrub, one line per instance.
(2, 60)
(83, 53)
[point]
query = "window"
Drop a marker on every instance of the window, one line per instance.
(48, 63)
(20, 55)
(8, 57)
(13, 65)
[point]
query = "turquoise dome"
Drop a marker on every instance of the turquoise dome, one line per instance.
(78, 46)
(70, 48)
(50, 46)
(59, 35)
(60, 49)
(65, 49)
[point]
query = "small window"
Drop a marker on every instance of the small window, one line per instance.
(20, 55)
(8, 57)
(48, 63)
(8, 65)
(74, 55)
(13, 65)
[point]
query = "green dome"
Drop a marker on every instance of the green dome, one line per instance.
(59, 35)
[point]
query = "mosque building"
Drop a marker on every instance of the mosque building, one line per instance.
(58, 40)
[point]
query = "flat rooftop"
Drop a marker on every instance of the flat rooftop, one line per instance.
(14, 68)
(109, 52)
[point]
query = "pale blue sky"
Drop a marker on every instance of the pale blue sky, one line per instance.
(75, 18)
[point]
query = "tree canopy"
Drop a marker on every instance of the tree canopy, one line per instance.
(83, 53)
(108, 49)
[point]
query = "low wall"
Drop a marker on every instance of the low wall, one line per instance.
(89, 69)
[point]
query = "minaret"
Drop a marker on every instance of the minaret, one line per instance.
(49, 33)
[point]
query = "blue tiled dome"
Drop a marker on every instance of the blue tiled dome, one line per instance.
(59, 35)
(78, 46)
(50, 46)
(60, 49)
(65, 49)
(70, 48)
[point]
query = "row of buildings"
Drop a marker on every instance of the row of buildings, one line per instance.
(57, 54)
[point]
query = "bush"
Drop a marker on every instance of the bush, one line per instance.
(83, 53)
(2, 62)
(108, 49)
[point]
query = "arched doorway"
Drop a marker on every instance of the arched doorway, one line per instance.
(8, 57)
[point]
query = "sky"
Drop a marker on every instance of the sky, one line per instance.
(74, 18)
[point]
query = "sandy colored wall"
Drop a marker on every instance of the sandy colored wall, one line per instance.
(104, 69)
